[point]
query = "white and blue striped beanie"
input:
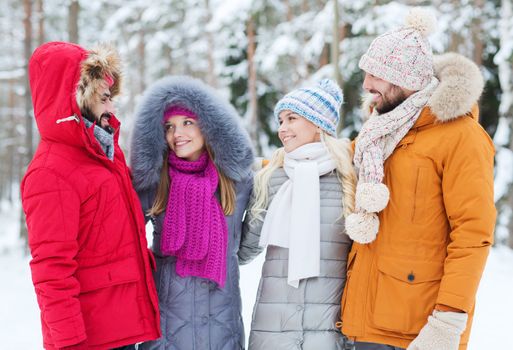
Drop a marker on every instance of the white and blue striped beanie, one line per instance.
(319, 104)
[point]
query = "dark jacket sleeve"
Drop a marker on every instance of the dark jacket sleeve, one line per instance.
(251, 228)
(146, 197)
(52, 209)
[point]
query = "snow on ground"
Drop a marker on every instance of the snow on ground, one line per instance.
(494, 305)
(19, 313)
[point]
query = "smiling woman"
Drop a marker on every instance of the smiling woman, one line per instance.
(191, 162)
(183, 134)
(298, 206)
(296, 131)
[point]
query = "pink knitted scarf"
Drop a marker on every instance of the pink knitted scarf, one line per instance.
(195, 229)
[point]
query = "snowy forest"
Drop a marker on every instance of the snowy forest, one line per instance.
(252, 52)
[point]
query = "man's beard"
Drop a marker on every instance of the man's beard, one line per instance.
(86, 113)
(389, 104)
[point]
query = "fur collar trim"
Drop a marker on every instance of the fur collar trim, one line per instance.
(219, 122)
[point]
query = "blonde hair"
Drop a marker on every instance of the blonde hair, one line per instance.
(341, 152)
(226, 189)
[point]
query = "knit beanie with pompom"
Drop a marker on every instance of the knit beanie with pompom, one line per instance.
(319, 104)
(403, 56)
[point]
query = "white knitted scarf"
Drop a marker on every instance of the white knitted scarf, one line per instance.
(375, 143)
(293, 218)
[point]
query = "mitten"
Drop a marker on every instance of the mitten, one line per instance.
(442, 331)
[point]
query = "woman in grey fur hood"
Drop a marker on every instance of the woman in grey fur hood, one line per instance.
(191, 161)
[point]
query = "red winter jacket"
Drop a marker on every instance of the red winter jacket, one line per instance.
(90, 263)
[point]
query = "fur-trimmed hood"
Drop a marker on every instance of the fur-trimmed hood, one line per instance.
(101, 61)
(461, 85)
(219, 123)
(62, 78)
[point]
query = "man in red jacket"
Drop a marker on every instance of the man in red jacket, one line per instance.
(90, 265)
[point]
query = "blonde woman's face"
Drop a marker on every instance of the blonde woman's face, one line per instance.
(296, 131)
(184, 137)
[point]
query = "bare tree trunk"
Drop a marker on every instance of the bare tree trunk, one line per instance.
(335, 52)
(289, 10)
(324, 59)
(335, 49)
(11, 143)
(504, 60)
(304, 6)
(506, 107)
(300, 72)
(456, 39)
(212, 78)
(73, 12)
(40, 22)
(477, 37)
(252, 82)
(141, 50)
(168, 58)
(27, 23)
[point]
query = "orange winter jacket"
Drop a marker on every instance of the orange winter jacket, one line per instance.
(437, 228)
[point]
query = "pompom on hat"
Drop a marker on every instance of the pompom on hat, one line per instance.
(319, 104)
(403, 56)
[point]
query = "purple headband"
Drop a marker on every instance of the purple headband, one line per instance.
(172, 111)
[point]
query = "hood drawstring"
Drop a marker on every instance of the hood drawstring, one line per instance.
(68, 119)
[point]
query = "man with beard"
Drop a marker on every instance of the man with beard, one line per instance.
(90, 264)
(424, 212)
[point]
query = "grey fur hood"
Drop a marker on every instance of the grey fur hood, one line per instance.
(461, 85)
(219, 123)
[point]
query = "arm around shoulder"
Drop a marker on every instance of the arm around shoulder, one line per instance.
(252, 225)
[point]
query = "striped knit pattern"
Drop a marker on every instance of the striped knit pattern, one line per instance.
(195, 229)
(319, 104)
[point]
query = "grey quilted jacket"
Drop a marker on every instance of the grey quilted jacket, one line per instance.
(195, 314)
(304, 318)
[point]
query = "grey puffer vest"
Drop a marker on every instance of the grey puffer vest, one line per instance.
(304, 318)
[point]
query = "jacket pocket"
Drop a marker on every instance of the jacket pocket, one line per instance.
(406, 294)
(110, 303)
(107, 275)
